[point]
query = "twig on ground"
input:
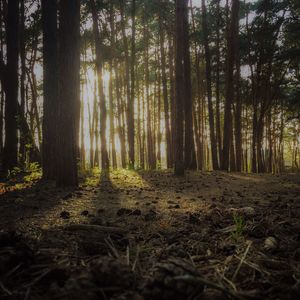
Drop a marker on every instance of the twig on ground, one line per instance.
(111, 247)
(241, 261)
(136, 259)
(5, 289)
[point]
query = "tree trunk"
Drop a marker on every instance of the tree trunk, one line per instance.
(2, 96)
(117, 87)
(172, 94)
(69, 92)
(179, 88)
(238, 112)
(99, 67)
(82, 143)
(50, 82)
(127, 67)
(22, 149)
(121, 125)
(189, 144)
(111, 118)
(130, 105)
(209, 90)
(165, 92)
(229, 85)
(150, 148)
(143, 134)
(157, 123)
(218, 113)
(10, 153)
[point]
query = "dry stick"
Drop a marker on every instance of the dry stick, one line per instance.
(27, 293)
(9, 273)
(127, 255)
(136, 258)
(241, 262)
(37, 279)
(226, 279)
(253, 266)
(5, 289)
(111, 246)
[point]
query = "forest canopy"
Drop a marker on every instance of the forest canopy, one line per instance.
(149, 84)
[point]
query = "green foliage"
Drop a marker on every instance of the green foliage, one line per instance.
(14, 173)
(239, 224)
(34, 172)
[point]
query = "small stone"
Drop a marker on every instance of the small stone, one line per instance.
(65, 215)
(248, 211)
(270, 244)
(85, 213)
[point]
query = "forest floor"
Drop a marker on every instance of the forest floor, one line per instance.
(149, 235)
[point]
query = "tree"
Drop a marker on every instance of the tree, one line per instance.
(165, 88)
(227, 142)
(181, 6)
(209, 89)
(22, 148)
(238, 100)
(189, 144)
(130, 107)
(50, 82)
(69, 92)
(130, 121)
(99, 66)
(10, 85)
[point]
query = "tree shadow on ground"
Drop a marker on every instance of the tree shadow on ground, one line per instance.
(31, 201)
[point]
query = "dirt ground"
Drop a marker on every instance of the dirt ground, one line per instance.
(150, 235)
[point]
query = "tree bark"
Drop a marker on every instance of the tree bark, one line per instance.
(50, 86)
(229, 86)
(99, 67)
(130, 105)
(189, 144)
(238, 100)
(179, 89)
(10, 153)
(111, 118)
(69, 92)
(218, 113)
(165, 92)
(209, 90)
(172, 94)
(127, 63)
